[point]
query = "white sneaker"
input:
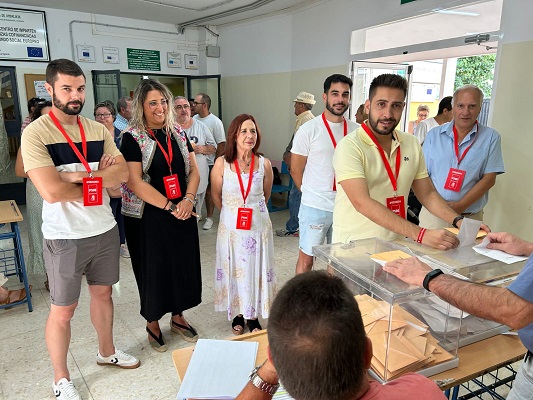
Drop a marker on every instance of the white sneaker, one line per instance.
(119, 359)
(65, 390)
(208, 224)
(124, 252)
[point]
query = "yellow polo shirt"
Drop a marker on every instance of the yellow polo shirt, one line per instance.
(357, 156)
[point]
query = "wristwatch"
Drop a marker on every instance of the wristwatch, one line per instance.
(456, 220)
(429, 277)
(259, 383)
(171, 208)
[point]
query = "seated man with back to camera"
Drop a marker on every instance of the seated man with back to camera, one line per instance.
(315, 321)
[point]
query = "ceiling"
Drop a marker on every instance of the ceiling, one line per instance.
(180, 12)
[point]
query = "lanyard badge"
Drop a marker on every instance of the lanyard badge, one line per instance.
(172, 186)
(333, 141)
(456, 176)
(396, 203)
(92, 186)
(244, 214)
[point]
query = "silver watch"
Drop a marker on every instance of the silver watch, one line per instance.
(259, 383)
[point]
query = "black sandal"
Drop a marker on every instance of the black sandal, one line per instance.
(238, 321)
(253, 324)
(158, 344)
(188, 333)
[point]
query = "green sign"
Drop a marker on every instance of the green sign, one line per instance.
(406, 1)
(142, 59)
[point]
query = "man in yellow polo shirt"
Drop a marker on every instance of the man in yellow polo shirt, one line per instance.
(375, 167)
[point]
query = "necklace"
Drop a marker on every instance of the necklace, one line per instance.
(247, 163)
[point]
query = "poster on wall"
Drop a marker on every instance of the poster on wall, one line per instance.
(173, 60)
(144, 59)
(85, 53)
(40, 90)
(191, 61)
(110, 55)
(23, 35)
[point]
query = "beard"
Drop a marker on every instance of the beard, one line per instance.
(65, 107)
(330, 108)
(374, 125)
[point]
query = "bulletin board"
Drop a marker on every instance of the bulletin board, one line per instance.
(29, 80)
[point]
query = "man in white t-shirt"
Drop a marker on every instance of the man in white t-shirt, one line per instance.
(202, 105)
(201, 140)
(312, 169)
(443, 116)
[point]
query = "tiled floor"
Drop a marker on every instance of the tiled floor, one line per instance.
(25, 370)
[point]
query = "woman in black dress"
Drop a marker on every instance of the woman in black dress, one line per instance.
(158, 204)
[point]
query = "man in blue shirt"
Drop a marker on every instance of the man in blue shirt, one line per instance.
(463, 159)
(512, 306)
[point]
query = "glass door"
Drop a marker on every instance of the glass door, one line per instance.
(107, 86)
(210, 85)
(362, 74)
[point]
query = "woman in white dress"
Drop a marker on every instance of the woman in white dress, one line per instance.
(241, 182)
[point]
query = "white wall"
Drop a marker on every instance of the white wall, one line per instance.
(193, 41)
(510, 206)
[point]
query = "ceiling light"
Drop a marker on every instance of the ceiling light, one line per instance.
(456, 12)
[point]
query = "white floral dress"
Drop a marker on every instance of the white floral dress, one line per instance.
(245, 281)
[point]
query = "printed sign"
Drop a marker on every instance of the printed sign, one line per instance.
(23, 35)
(142, 59)
(110, 55)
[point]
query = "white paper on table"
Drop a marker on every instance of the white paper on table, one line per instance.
(468, 232)
(497, 254)
(218, 369)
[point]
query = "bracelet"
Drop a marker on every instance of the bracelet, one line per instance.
(421, 235)
(429, 277)
(456, 220)
(165, 206)
(193, 195)
(193, 202)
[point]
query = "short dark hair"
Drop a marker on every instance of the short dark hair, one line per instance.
(233, 131)
(33, 102)
(122, 103)
(317, 338)
(62, 66)
(445, 103)
(37, 111)
(107, 104)
(205, 99)
(336, 78)
(392, 81)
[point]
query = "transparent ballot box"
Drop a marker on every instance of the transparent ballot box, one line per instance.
(404, 339)
(465, 262)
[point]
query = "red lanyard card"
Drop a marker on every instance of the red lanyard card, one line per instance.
(397, 205)
(172, 186)
(92, 191)
(455, 179)
(244, 218)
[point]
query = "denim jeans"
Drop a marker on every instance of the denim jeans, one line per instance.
(292, 224)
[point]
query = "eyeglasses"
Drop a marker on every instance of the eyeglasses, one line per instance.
(195, 103)
(153, 104)
(105, 115)
(182, 107)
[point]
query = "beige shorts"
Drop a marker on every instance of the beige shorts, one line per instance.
(67, 259)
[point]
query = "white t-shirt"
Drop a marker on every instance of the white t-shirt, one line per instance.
(200, 134)
(217, 129)
(424, 127)
(312, 141)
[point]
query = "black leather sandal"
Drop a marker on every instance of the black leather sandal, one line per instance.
(238, 321)
(253, 324)
(158, 344)
(187, 332)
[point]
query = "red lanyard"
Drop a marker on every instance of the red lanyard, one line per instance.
(393, 178)
(238, 171)
(456, 144)
(331, 133)
(168, 156)
(82, 158)
(333, 138)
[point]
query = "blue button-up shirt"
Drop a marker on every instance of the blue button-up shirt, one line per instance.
(120, 122)
(485, 156)
(523, 287)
